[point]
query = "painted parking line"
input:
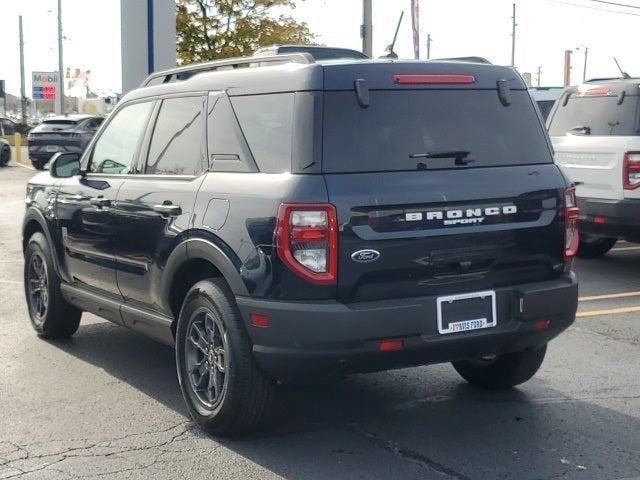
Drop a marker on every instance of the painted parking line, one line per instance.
(609, 296)
(18, 164)
(608, 311)
(611, 311)
(625, 249)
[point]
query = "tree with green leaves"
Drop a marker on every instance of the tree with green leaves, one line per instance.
(213, 29)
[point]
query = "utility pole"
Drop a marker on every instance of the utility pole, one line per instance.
(513, 36)
(567, 68)
(366, 29)
(23, 97)
(60, 94)
(539, 75)
(584, 70)
(428, 46)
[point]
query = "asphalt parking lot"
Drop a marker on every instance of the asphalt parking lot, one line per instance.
(106, 404)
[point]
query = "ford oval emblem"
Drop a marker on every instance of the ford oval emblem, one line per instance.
(365, 256)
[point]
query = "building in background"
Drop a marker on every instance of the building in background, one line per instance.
(148, 39)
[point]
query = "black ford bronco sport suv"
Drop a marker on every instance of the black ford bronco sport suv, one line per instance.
(280, 217)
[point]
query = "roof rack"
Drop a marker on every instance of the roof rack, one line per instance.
(183, 73)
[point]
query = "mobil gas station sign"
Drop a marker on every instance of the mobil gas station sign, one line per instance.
(44, 85)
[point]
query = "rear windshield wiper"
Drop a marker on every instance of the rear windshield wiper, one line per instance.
(460, 156)
(581, 128)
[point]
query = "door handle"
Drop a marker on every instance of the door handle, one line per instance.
(100, 202)
(168, 210)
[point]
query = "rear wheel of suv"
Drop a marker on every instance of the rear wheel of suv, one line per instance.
(5, 155)
(594, 247)
(503, 371)
(51, 316)
(224, 389)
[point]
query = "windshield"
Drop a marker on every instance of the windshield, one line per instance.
(428, 129)
(603, 116)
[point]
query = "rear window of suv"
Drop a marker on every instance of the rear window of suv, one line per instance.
(400, 127)
(601, 116)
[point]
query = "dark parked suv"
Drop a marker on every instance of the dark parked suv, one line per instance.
(69, 133)
(296, 218)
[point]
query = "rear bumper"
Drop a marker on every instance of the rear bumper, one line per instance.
(38, 150)
(620, 218)
(325, 338)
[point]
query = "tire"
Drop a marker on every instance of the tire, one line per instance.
(38, 165)
(594, 247)
(502, 372)
(238, 395)
(51, 316)
(5, 156)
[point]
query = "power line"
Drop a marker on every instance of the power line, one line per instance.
(594, 8)
(616, 4)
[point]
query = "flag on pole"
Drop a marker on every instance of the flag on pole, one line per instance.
(415, 24)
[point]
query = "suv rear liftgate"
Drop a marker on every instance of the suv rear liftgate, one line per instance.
(438, 185)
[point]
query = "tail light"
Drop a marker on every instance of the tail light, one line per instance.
(631, 170)
(433, 79)
(307, 241)
(571, 214)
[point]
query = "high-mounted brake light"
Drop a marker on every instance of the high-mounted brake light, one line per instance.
(307, 241)
(631, 170)
(571, 215)
(595, 92)
(433, 79)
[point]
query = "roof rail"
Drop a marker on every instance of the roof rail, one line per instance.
(604, 79)
(187, 71)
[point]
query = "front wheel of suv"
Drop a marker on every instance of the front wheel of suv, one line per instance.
(502, 371)
(594, 247)
(38, 164)
(50, 314)
(225, 390)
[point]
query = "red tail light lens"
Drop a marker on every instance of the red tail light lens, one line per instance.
(307, 241)
(571, 215)
(439, 79)
(631, 171)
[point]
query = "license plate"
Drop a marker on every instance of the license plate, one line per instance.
(51, 148)
(466, 311)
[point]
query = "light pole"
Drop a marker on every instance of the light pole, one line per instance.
(586, 55)
(60, 96)
(513, 36)
(366, 30)
(23, 97)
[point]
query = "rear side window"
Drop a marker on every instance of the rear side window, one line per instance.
(601, 116)
(228, 151)
(267, 123)
(545, 107)
(176, 144)
(402, 128)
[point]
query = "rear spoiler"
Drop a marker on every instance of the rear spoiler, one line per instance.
(466, 59)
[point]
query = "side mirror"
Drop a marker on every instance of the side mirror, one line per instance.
(64, 165)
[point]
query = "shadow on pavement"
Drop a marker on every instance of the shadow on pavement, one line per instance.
(438, 426)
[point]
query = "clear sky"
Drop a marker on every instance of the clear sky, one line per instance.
(458, 27)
